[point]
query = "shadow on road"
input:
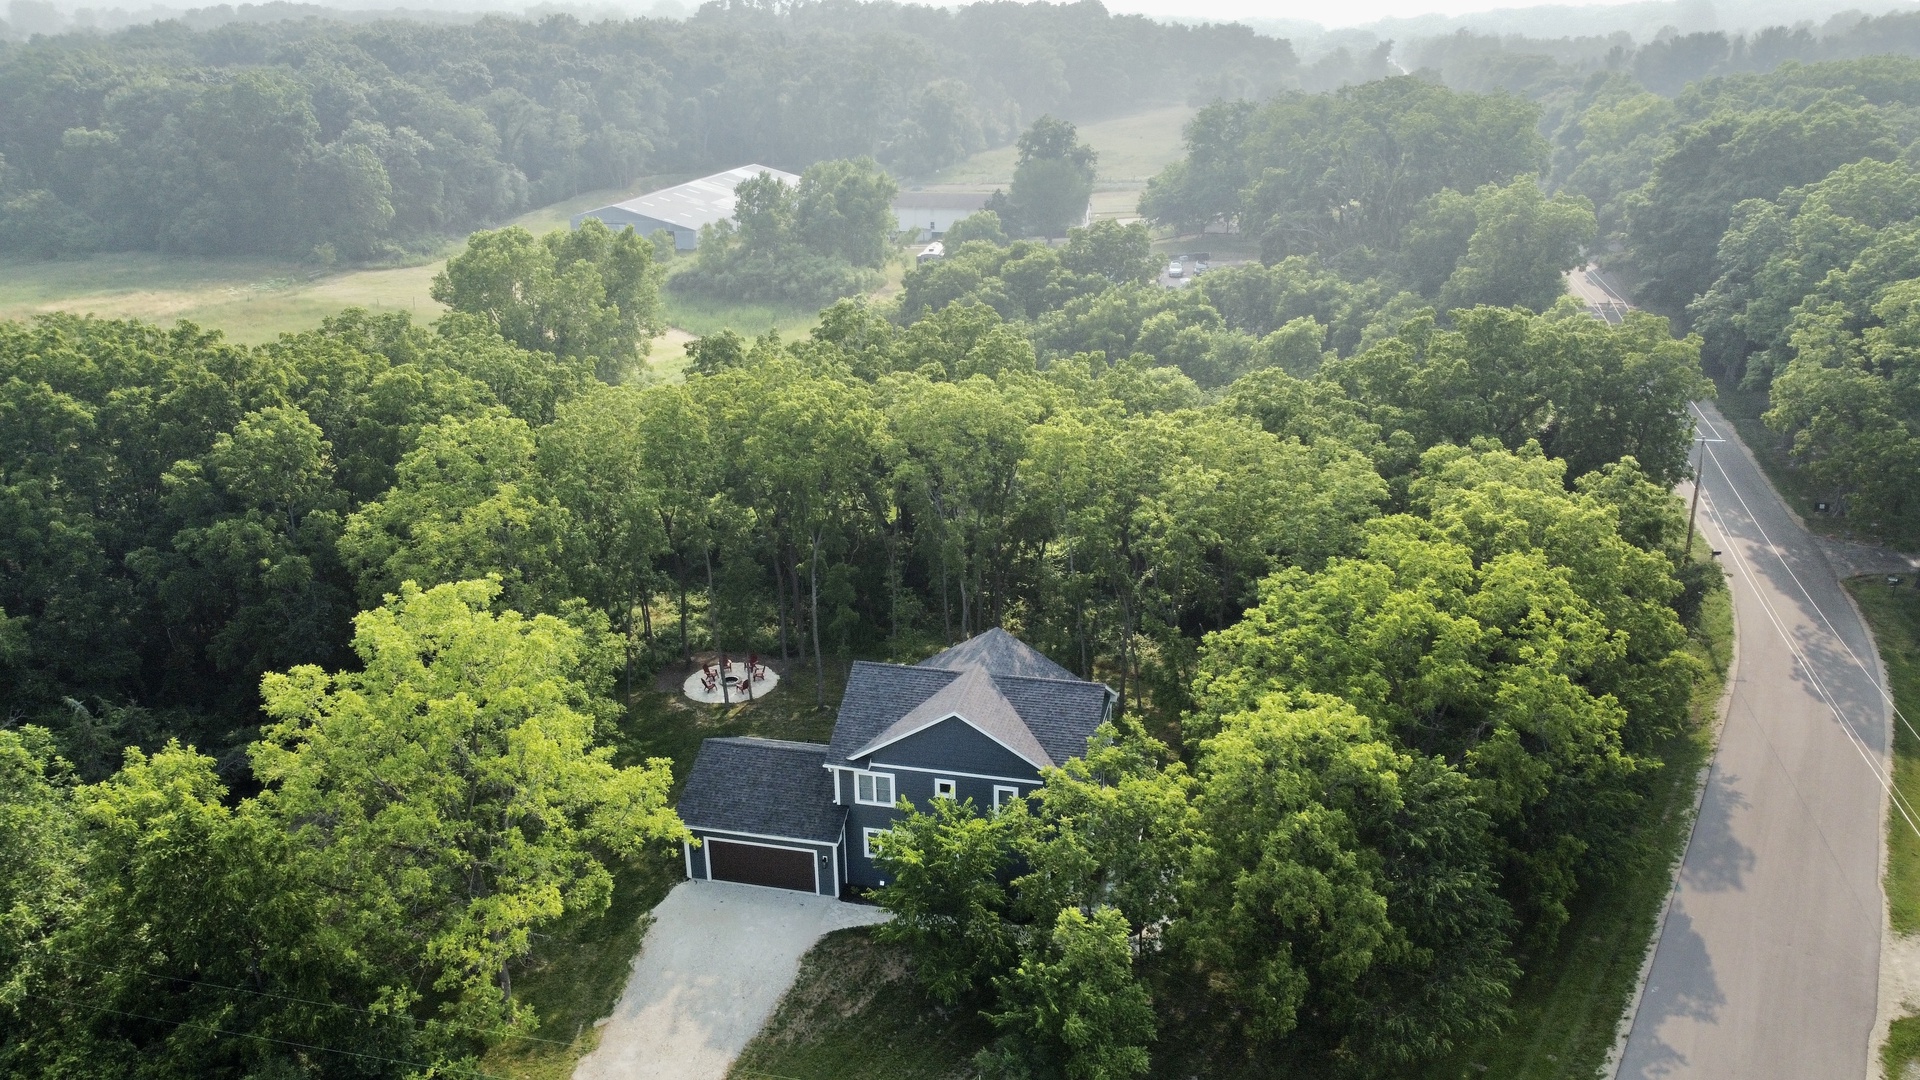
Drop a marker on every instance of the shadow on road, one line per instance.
(1690, 992)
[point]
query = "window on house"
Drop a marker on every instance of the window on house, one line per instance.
(1002, 795)
(944, 788)
(873, 788)
(867, 838)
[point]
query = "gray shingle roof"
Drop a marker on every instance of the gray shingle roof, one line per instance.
(1058, 711)
(1001, 653)
(1062, 713)
(877, 695)
(974, 698)
(767, 786)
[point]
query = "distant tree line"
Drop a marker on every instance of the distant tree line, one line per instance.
(353, 140)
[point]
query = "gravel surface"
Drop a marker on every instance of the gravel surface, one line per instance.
(714, 963)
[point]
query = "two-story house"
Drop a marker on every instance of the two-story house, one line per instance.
(978, 721)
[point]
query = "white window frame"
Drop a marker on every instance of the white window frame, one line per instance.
(1004, 794)
(873, 779)
(866, 841)
(946, 787)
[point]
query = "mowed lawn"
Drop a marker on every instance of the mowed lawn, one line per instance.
(1132, 148)
(249, 299)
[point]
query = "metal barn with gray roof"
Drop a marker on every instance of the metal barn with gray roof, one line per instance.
(977, 722)
(683, 208)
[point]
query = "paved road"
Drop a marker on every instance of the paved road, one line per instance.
(713, 965)
(1768, 963)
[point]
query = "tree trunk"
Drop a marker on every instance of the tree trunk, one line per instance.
(680, 565)
(819, 665)
(780, 596)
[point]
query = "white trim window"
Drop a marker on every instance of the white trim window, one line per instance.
(866, 841)
(1002, 795)
(945, 788)
(873, 788)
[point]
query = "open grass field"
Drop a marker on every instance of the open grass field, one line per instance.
(250, 300)
(1132, 148)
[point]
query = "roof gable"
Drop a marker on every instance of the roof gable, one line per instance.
(974, 698)
(1022, 691)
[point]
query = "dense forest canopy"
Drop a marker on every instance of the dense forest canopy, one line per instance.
(311, 652)
(375, 137)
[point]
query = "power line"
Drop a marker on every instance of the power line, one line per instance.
(1899, 802)
(1798, 584)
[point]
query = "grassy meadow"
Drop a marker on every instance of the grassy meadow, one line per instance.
(1132, 148)
(253, 300)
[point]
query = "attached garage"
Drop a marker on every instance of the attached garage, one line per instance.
(762, 813)
(761, 864)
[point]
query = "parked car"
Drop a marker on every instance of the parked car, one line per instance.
(935, 250)
(1174, 269)
(1202, 265)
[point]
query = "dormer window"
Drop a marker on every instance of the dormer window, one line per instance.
(873, 788)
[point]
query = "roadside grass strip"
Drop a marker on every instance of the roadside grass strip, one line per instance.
(1893, 614)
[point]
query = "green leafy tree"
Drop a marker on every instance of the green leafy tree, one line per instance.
(844, 209)
(469, 501)
(1071, 1007)
(942, 870)
(1675, 225)
(1522, 244)
(1053, 177)
(455, 779)
(1122, 254)
(1342, 889)
(981, 225)
(590, 292)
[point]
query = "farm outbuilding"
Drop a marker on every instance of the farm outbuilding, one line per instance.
(934, 212)
(682, 208)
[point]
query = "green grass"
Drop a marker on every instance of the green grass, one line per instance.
(699, 316)
(1893, 614)
(1132, 148)
(1567, 1007)
(856, 1013)
(1902, 1050)
(251, 300)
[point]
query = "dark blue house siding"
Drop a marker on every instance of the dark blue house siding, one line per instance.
(954, 744)
(695, 862)
(951, 749)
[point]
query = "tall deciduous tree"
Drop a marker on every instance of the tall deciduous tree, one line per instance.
(590, 292)
(455, 780)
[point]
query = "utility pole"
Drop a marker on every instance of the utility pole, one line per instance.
(1694, 509)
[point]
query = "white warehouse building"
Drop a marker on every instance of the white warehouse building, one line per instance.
(682, 208)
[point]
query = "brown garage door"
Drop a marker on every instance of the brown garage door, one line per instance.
(782, 868)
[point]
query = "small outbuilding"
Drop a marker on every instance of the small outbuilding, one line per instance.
(683, 208)
(934, 212)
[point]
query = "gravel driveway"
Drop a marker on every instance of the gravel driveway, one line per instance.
(713, 965)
